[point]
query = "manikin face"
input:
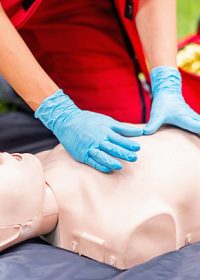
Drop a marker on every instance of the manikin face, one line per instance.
(21, 188)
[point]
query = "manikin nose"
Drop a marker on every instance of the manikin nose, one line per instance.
(1, 158)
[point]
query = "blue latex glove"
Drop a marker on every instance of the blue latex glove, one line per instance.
(168, 105)
(90, 138)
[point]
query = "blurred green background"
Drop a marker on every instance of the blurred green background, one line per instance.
(188, 12)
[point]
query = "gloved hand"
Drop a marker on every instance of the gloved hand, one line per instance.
(168, 105)
(90, 138)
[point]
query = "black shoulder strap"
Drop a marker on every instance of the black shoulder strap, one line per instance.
(26, 4)
(128, 13)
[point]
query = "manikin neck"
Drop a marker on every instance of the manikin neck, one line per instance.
(42, 224)
(49, 215)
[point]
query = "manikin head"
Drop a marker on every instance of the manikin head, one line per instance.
(21, 188)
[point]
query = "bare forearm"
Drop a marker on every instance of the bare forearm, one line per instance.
(156, 24)
(19, 67)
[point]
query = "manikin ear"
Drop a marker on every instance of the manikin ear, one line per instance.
(9, 235)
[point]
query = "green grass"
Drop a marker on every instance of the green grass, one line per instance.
(188, 14)
(7, 107)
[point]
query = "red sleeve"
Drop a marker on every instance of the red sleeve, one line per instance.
(135, 7)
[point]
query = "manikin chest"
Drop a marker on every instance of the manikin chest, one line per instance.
(128, 217)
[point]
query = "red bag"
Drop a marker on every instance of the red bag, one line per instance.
(191, 81)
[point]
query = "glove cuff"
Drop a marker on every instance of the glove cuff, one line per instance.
(165, 79)
(54, 107)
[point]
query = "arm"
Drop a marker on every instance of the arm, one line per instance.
(75, 129)
(156, 24)
(19, 67)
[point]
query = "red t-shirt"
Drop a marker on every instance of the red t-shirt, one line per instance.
(81, 45)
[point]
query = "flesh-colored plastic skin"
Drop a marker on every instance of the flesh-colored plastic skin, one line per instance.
(27, 205)
(148, 208)
(125, 218)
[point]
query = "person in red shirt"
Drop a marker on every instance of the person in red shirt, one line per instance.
(90, 50)
(99, 72)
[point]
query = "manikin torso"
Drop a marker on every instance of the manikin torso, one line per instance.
(125, 218)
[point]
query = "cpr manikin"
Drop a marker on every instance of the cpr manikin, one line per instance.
(122, 219)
